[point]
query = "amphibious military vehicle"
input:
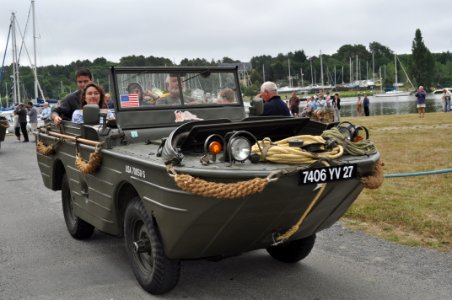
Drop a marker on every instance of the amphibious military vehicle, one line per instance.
(185, 172)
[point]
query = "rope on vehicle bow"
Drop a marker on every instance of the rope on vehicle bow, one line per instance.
(44, 149)
(218, 190)
(376, 180)
(93, 163)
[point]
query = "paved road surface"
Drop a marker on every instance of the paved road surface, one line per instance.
(39, 260)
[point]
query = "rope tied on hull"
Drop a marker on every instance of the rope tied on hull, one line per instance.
(44, 149)
(375, 180)
(93, 163)
(218, 190)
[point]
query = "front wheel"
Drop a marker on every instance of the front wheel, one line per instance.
(293, 251)
(78, 228)
(156, 273)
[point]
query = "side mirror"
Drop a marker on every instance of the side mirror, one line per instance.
(91, 114)
(257, 107)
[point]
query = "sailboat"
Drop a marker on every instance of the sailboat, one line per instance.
(16, 57)
(396, 92)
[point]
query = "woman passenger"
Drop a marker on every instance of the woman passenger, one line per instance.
(91, 94)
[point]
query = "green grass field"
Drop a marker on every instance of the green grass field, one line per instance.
(409, 210)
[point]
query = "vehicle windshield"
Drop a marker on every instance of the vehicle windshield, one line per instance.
(151, 89)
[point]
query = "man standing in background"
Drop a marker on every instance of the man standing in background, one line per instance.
(45, 113)
(33, 116)
(273, 104)
(366, 104)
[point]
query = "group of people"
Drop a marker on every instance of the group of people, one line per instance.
(24, 114)
(172, 94)
(320, 105)
(71, 107)
(88, 92)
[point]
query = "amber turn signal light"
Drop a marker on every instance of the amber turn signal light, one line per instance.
(215, 147)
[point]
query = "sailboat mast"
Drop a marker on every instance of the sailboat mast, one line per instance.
(34, 48)
(395, 66)
(312, 75)
(16, 87)
(290, 79)
(321, 69)
(351, 70)
(301, 74)
(404, 71)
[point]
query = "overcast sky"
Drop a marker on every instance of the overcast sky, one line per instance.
(212, 29)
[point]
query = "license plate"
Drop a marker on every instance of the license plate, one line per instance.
(326, 174)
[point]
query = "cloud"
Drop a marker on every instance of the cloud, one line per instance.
(177, 29)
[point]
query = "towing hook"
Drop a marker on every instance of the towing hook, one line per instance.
(142, 246)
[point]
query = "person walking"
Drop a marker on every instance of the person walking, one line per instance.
(22, 114)
(420, 101)
(366, 104)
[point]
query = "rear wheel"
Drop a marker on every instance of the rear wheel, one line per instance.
(293, 251)
(156, 273)
(78, 228)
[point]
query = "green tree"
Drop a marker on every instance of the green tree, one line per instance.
(423, 64)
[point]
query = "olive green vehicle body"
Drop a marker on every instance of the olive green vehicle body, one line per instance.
(192, 226)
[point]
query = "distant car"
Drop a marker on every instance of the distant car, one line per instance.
(440, 91)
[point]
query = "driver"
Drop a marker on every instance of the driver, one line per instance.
(172, 97)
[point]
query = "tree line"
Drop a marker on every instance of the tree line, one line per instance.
(350, 62)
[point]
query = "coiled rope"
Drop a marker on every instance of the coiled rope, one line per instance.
(363, 147)
(281, 152)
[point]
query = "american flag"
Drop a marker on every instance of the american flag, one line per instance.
(130, 100)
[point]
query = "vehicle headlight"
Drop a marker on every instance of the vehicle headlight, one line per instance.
(347, 129)
(240, 148)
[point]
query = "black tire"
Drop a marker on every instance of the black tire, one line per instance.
(293, 251)
(156, 273)
(78, 228)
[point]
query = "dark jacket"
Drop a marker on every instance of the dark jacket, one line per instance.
(276, 107)
(366, 102)
(22, 114)
(69, 104)
(338, 103)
